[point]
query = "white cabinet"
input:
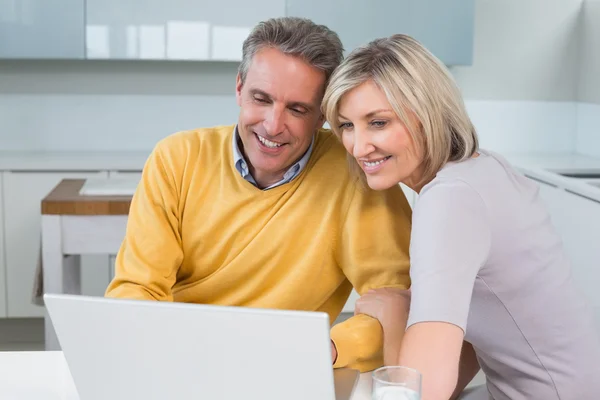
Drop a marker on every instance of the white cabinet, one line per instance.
(445, 27)
(577, 220)
(2, 258)
(38, 29)
(23, 192)
(173, 30)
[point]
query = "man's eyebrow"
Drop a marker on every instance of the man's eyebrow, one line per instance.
(262, 93)
(292, 104)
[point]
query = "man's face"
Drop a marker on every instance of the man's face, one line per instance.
(280, 112)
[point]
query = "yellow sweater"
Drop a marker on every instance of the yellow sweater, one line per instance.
(198, 232)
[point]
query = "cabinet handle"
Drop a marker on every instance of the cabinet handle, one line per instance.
(541, 181)
(582, 195)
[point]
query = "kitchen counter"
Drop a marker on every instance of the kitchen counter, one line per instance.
(545, 168)
(536, 166)
(73, 161)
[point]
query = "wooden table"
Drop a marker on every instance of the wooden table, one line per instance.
(75, 225)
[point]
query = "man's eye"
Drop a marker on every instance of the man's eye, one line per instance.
(299, 110)
(260, 100)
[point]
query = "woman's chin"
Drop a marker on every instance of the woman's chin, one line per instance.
(380, 182)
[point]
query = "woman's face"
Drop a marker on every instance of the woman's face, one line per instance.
(378, 140)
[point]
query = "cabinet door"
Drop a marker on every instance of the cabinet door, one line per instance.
(41, 29)
(2, 258)
(579, 226)
(175, 29)
(577, 220)
(24, 192)
(444, 27)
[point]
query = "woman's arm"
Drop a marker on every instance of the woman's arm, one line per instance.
(390, 306)
(450, 243)
(433, 348)
(467, 369)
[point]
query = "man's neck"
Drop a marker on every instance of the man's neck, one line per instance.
(265, 180)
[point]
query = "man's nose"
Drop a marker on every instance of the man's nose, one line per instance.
(274, 121)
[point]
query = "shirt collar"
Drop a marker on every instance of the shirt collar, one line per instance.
(241, 165)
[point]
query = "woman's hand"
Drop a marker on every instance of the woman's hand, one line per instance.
(390, 306)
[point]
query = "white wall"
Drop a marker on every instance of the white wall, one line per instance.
(588, 138)
(589, 66)
(519, 90)
(523, 50)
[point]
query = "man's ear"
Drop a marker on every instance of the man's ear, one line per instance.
(238, 89)
(321, 121)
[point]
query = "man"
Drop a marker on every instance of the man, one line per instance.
(265, 213)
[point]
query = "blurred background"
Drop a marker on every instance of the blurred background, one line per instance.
(87, 88)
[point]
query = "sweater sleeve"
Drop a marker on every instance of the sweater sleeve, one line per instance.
(373, 252)
(150, 255)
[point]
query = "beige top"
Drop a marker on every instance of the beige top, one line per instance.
(486, 257)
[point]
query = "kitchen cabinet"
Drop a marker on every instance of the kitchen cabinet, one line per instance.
(577, 220)
(173, 30)
(445, 27)
(42, 29)
(2, 258)
(23, 192)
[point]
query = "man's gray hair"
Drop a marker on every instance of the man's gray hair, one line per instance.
(316, 44)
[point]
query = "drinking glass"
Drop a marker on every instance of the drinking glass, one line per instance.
(396, 383)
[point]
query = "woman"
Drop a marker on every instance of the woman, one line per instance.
(491, 285)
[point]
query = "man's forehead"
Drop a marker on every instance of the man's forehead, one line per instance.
(285, 76)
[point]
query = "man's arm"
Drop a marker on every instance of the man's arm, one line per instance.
(151, 253)
(373, 253)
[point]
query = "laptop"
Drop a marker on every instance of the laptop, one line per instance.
(132, 349)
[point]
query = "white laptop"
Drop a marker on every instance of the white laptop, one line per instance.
(127, 349)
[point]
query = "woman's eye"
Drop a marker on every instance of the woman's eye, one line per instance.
(345, 125)
(379, 124)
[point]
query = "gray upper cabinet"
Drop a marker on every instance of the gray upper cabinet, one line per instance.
(42, 29)
(445, 27)
(174, 29)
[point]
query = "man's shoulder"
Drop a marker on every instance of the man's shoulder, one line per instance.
(197, 136)
(329, 147)
(191, 141)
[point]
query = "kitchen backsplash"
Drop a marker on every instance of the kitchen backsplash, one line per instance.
(588, 129)
(54, 122)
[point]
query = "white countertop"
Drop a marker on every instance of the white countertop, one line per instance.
(534, 165)
(543, 167)
(73, 161)
(45, 375)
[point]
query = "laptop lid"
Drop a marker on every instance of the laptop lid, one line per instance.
(128, 349)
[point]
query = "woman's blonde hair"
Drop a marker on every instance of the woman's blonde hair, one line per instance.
(416, 84)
